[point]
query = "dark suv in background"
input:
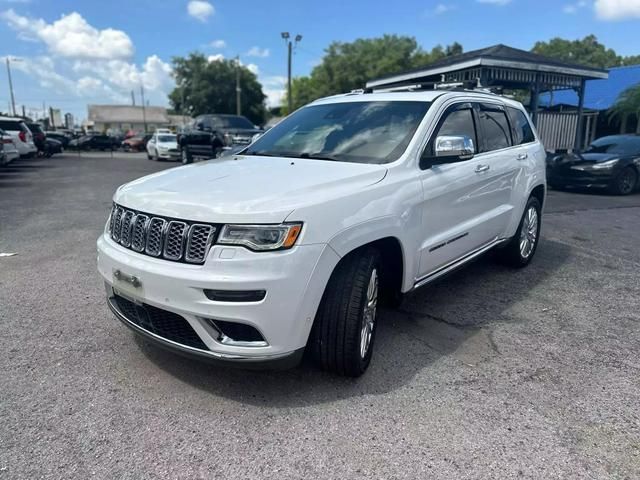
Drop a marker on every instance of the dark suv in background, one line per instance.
(209, 135)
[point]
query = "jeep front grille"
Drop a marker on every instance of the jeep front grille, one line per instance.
(168, 238)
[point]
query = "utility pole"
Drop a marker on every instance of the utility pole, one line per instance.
(133, 98)
(238, 89)
(290, 45)
(144, 113)
(13, 100)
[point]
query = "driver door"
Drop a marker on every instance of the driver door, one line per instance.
(455, 206)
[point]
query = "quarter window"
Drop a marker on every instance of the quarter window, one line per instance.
(522, 131)
(495, 128)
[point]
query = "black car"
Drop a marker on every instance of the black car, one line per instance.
(611, 162)
(209, 136)
(52, 146)
(92, 142)
(61, 137)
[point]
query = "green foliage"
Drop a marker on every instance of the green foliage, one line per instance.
(348, 66)
(587, 51)
(627, 104)
(210, 87)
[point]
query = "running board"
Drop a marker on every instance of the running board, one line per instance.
(456, 264)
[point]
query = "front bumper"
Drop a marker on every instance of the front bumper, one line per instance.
(294, 281)
(580, 178)
(169, 155)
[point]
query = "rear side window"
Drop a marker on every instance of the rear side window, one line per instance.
(522, 131)
(10, 125)
(495, 128)
(459, 122)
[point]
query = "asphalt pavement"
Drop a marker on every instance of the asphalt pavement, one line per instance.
(491, 373)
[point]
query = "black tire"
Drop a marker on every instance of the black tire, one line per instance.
(341, 327)
(149, 157)
(513, 253)
(186, 156)
(625, 182)
(217, 151)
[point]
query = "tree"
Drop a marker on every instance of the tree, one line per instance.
(588, 52)
(348, 66)
(204, 86)
(627, 104)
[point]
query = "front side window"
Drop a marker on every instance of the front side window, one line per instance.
(362, 132)
(232, 122)
(457, 123)
(495, 128)
(523, 133)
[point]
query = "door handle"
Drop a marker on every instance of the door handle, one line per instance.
(522, 156)
(482, 168)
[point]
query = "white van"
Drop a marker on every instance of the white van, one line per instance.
(22, 137)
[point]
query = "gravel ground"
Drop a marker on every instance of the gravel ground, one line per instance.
(491, 373)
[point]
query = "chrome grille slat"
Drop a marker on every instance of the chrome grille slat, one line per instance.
(174, 240)
(155, 234)
(125, 228)
(139, 233)
(198, 242)
(171, 239)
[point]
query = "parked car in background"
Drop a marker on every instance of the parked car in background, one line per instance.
(52, 146)
(21, 134)
(136, 144)
(293, 243)
(38, 136)
(611, 162)
(163, 146)
(9, 152)
(164, 130)
(62, 137)
(209, 135)
(92, 142)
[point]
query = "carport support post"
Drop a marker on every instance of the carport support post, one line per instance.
(535, 96)
(580, 122)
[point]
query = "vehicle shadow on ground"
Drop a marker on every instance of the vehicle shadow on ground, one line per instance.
(433, 322)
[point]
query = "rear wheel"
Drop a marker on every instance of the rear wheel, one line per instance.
(625, 182)
(522, 246)
(345, 326)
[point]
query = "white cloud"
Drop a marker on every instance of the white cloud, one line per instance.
(218, 44)
(617, 9)
(495, 2)
(258, 52)
(572, 8)
(71, 36)
(200, 10)
(218, 57)
(253, 68)
(274, 87)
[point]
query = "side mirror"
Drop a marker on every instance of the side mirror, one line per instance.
(459, 147)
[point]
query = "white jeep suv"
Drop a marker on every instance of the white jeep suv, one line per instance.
(292, 243)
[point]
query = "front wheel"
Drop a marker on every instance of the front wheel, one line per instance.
(345, 326)
(520, 249)
(625, 182)
(185, 156)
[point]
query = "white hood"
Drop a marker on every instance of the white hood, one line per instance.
(245, 189)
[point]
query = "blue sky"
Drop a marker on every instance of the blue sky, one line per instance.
(70, 53)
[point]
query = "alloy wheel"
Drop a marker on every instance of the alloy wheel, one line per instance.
(626, 181)
(369, 314)
(529, 232)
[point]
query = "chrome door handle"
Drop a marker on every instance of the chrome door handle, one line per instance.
(522, 156)
(482, 168)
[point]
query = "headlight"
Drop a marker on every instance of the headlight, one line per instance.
(261, 237)
(605, 165)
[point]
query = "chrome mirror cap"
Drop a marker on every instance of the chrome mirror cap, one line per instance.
(454, 146)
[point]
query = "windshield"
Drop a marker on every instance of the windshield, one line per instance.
(620, 145)
(166, 138)
(233, 122)
(360, 132)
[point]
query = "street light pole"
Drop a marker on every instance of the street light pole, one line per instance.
(238, 89)
(290, 45)
(13, 100)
